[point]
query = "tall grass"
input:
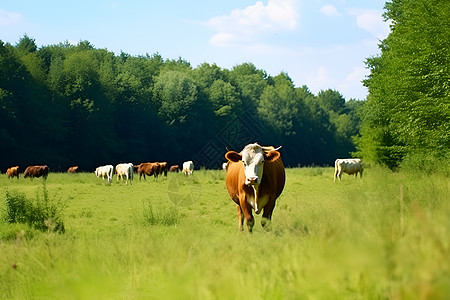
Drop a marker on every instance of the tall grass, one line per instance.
(385, 236)
(41, 213)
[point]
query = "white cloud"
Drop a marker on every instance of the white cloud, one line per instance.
(244, 25)
(321, 80)
(352, 81)
(372, 21)
(9, 18)
(329, 10)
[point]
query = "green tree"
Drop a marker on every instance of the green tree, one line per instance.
(224, 99)
(408, 108)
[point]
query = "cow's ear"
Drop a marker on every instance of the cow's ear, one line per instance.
(272, 156)
(233, 156)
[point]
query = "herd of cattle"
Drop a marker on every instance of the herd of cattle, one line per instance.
(255, 177)
(124, 171)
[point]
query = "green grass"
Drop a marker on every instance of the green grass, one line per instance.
(385, 236)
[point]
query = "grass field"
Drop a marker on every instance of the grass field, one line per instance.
(385, 236)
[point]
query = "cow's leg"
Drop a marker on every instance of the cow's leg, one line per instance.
(240, 216)
(267, 213)
(247, 211)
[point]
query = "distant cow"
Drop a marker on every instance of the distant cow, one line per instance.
(125, 170)
(105, 171)
(349, 166)
(225, 166)
(73, 169)
(148, 169)
(163, 168)
(36, 171)
(255, 179)
(136, 168)
(174, 168)
(13, 171)
(188, 167)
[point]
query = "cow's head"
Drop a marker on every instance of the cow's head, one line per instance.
(253, 157)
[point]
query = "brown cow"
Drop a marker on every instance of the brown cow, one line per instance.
(73, 169)
(163, 168)
(174, 168)
(148, 169)
(13, 171)
(255, 179)
(36, 171)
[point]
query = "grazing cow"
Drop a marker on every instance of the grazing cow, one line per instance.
(73, 169)
(349, 166)
(36, 171)
(225, 166)
(136, 168)
(188, 168)
(125, 170)
(13, 171)
(105, 171)
(163, 168)
(255, 179)
(174, 168)
(149, 169)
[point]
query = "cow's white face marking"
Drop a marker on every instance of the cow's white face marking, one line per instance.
(253, 160)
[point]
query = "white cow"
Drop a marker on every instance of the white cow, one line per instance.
(349, 166)
(225, 166)
(125, 170)
(105, 171)
(188, 167)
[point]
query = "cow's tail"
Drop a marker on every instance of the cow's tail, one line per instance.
(336, 168)
(130, 170)
(110, 175)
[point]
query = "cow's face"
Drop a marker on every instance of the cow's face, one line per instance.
(253, 157)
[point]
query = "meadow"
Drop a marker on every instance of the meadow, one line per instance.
(385, 236)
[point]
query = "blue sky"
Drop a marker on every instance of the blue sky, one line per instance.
(319, 43)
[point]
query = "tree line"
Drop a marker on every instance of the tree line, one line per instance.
(406, 117)
(67, 104)
(74, 104)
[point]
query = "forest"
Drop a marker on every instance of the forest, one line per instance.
(67, 104)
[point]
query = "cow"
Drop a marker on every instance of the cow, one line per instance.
(149, 169)
(13, 171)
(105, 171)
(188, 168)
(125, 170)
(73, 169)
(349, 166)
(225, 166)
(36, 171)
(174, 168)
(255, 179)
(136, 168)
(163, 168)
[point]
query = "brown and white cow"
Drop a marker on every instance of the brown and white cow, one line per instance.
(73, 169)
(349, 166)
(149, 169)
(13, 172)
(36, 171)
(255, 179)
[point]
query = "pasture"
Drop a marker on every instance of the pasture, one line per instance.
(385, 236)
